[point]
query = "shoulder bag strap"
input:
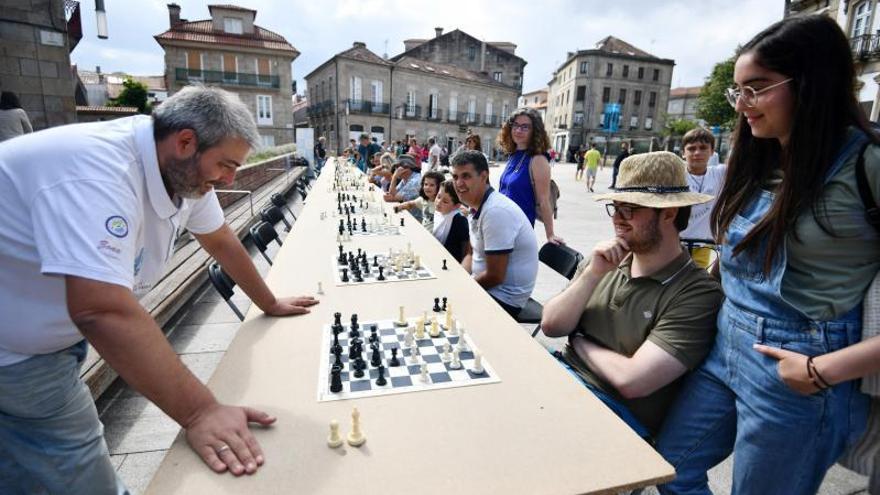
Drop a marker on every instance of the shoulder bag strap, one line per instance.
(872, 212)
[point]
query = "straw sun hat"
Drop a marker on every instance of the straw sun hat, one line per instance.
(655, 180)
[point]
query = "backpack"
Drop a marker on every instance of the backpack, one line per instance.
(554, 195)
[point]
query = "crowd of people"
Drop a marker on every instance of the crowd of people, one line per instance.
(755, 351)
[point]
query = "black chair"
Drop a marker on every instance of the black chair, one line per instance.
(224, 285)
(301, 189)
(272, 214)
(564, 261)
(263, 234)
(279, 201)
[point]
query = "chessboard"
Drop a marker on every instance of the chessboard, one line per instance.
(381, 350)
(363, 227)
(371, 268)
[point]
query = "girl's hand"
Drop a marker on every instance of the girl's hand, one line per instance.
(792, 368)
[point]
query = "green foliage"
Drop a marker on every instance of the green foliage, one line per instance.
(266, 153)
(712, 105)
(134, 94)
(678, 127)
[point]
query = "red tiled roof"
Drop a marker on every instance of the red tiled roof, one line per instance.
(363, 54)
(685, 91)
(204, 32)
(616, 45)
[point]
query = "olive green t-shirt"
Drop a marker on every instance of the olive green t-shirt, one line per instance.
(674, 308)
(827, 276)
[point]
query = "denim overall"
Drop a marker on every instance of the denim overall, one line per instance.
(782, 442)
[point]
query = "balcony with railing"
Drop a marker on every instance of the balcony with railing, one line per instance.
(490, 120)
(471, 118)
(865, 46)
(227, 78)
(409, 112)
(454, 117)
(320, 108)
(434, 114)
(366, 107)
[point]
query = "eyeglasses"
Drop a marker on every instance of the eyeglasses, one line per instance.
(626, 211)
(521, 127)
(749, 94)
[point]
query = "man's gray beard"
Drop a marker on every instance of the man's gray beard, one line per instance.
(183, 177)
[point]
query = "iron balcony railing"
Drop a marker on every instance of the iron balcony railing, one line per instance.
(366, 106)
(227, 78)
(410, 112)
(434, 114)
(491, 120)
(865, 46)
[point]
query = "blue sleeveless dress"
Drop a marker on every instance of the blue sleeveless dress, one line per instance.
(516, 184)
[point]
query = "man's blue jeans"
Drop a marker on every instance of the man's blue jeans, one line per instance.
(51, 440)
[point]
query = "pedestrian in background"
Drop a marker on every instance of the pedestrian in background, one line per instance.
(13, 119)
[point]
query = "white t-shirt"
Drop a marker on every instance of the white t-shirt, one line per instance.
(709, 183)
(500, 226)
(85, 200)
(434, 156)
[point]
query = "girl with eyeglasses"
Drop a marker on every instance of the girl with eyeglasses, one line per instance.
(526, 177)
(780, 388)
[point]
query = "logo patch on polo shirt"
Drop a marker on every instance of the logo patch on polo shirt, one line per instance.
(647, 315)
(117, 226)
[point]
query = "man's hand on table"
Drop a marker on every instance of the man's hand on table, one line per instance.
(220, 435)
(287, 306)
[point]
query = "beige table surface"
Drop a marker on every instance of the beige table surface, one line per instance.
(537, 431)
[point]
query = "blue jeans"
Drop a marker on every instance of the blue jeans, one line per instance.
(782, 442)
(51, 438)
(616, 407)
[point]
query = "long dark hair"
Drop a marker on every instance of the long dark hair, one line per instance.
(814, 52)
(8, 100)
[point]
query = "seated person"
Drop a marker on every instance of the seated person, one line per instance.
(381, 171)
(405, 182)
(640, 313)
(698, 146)
(450, 226)
(424, 203)
(504, 257)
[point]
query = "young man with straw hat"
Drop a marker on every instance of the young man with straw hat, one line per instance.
(640, 313)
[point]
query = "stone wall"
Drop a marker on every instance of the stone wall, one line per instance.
(251, 177)
(35, 61)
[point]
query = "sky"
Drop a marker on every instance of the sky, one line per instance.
(696, 34)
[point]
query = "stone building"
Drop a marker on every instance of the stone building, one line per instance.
(36, 38)
(591, 81)
(230, 51)
(435, 88)
(535, 99)
(683, 103)
(860, 20)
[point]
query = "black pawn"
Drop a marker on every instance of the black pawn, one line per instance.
(354, 322)
(376, 358)
(341, 254)
(444, 304)
(357, 276)
(353, 350)
(381, 381)
(381, 275)
(394, 361)
(374, 337)
(358, 368)
(336, 379)
(401, 222)
(345, 274)
(444, 265)
(375, 260)
(337, 361)
(337, 320)
(363, 225)
(437, 305)
(335, 348)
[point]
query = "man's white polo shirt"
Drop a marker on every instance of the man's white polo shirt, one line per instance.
(498, 227)
(85, 200)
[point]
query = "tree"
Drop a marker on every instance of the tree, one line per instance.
(678, 127)
(134, 94)
(712, 105)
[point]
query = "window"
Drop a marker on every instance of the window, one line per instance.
(230, 67)
(410, 103)
(496, 76)
(585, 66)
(264, 73)
(267, 141)
(860, 19)
(355, 90)
(232, 25)
(433, 111)
(637, 98)
(453, 107)
(472, 109)
(606, 95)
(376, 92)
(656, 74)
(264, 110)
(625, 71)
(634, 122)
(505, 111)
(579, 118)
(649, 122)
(581, 93)
(652, 99)
(621, 97)
(601, 123)
(641, 72)
(194, 64)
(488, 117)
(609, 69)
(472, 52)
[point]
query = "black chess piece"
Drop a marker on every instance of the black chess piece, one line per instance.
(335, 347)
(336, 379)
(354, 321)
(363, 225)
(401, 222)
(341, 228)
(341, 258)
(374, 337)
(366, 268)
(444, 304)
(337, 361)
(354, 349)
(375, 260)
(381, 381)
(376, 358)
(444, 265)
(337, 321)
(436, 308)
(358, 276)
(358, 368)
(381, 275)
(394, 361)
(345, 274)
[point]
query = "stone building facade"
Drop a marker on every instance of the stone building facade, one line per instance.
(614, 72)
(357, 91)
(683, 103)
(535, 99)
(35, 45)
(230, 51)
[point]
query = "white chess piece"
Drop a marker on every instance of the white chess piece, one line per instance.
(320, 288)
(356, 437)
(417, 262)
(334, 440)
(424, 372)
(401, 319)
(435, 328)
(447, 348)
(449, 321)
(462, 345)
(478, 364)
(408, 338)
(414, 353)
(420, 328)
(456, 360)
